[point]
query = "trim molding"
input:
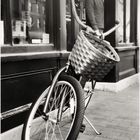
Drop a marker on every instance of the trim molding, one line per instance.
(33, 55)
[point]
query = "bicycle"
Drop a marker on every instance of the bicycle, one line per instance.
(59, 111)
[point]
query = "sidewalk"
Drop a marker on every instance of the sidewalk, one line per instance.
(115, 115)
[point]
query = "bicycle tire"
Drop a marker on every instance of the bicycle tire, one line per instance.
(75, 94)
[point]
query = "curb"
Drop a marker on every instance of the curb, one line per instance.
(116, 87)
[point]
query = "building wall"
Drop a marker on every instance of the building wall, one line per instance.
(22, 81)
(27, 71)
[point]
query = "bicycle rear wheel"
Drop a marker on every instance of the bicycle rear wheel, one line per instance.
(64, 115)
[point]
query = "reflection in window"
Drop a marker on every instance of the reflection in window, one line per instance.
(124, 18)
(127, 39)
(68, 8)
(121, 19)
(29, 21)
(68, 25)
(79, 4)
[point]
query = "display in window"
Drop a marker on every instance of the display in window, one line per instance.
(19, 31)
(30, 27)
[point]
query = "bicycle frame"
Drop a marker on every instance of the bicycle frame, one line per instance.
(81, 103)
(52, 85)
(68, 70)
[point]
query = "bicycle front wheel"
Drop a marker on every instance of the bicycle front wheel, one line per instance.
(64, 114)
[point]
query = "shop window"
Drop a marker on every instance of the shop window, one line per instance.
(125, 14)
(123, 30)
(69, 24)
(30, 21)
(80, 7)
(70, 21)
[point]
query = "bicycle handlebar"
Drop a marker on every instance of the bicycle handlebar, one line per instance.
(75, 14)
(112, 29)
(86, 27)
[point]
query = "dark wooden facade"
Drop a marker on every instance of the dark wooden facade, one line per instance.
(128, 52)
(27, 70)
(24, 80)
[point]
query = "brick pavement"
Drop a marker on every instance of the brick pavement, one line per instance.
(115, 115)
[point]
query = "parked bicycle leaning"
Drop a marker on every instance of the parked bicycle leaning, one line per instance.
(58, 112)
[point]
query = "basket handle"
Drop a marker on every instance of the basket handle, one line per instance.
(89, 29)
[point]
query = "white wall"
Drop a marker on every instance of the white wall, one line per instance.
(1, 33)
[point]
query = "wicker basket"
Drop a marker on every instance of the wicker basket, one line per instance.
(92, 57)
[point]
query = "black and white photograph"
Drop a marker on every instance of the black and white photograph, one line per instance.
(69, 69)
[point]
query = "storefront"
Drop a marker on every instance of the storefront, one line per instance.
(34, 49)
(125, 38)
(37, 38)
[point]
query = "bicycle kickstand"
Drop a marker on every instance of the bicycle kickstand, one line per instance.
(98, 133)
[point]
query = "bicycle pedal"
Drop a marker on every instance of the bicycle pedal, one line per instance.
(83, 127)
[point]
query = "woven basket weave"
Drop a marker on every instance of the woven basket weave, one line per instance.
(92, 57)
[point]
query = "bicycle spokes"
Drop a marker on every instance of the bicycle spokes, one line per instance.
(56, 121)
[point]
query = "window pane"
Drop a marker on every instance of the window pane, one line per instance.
(30, 21)
(120, 10)
(69, 25)
(123, 12)
(127, 21)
